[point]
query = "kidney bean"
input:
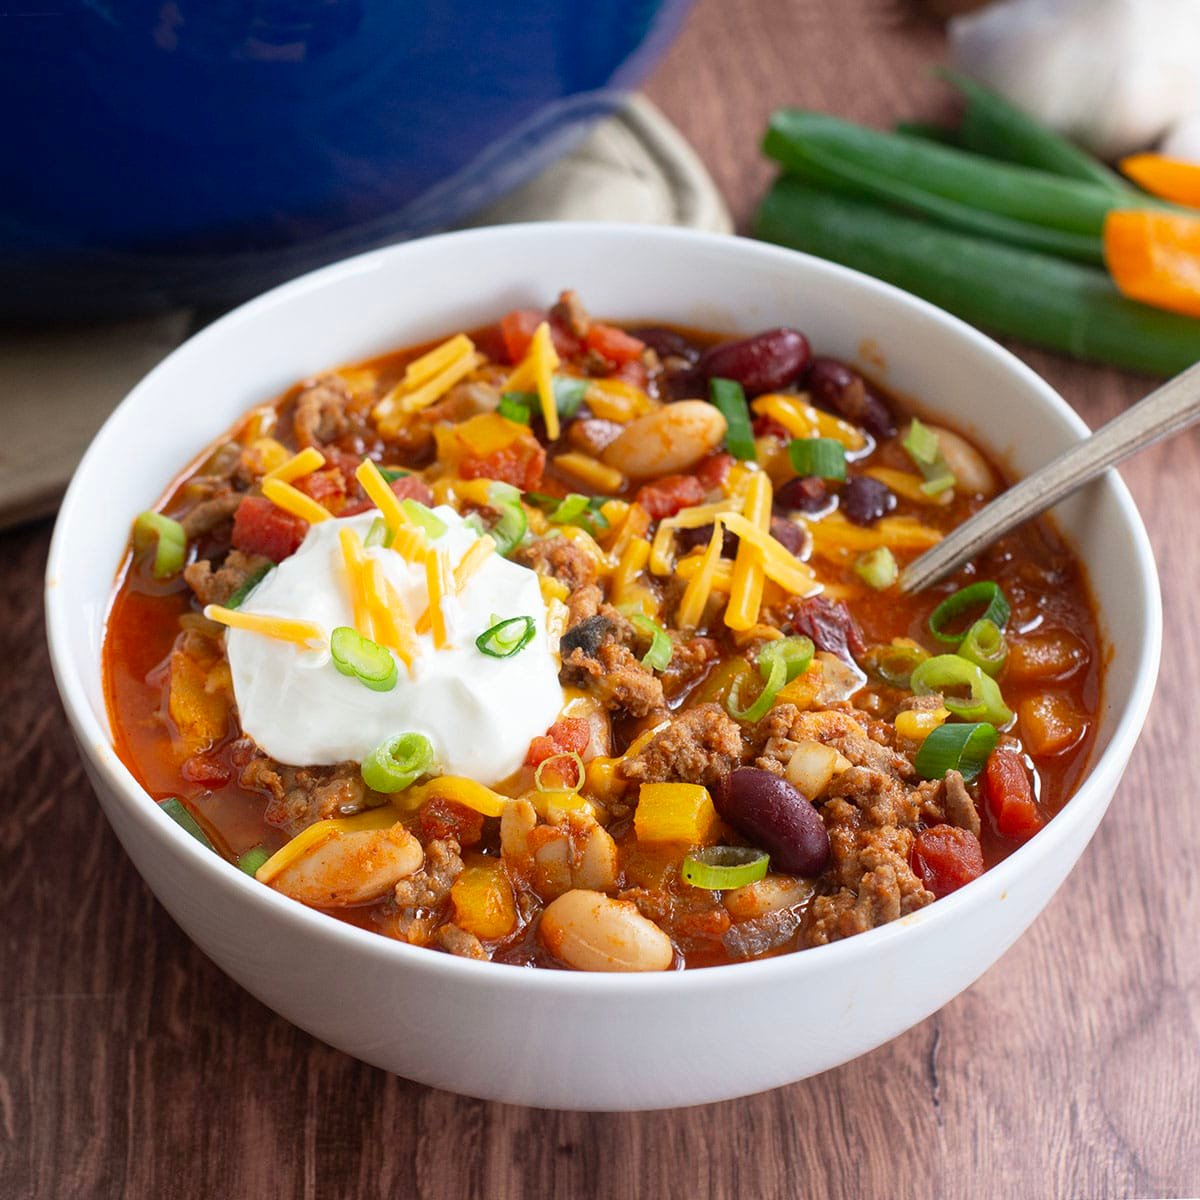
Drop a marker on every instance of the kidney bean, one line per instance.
(690, 539)
(805, 493)
(777, 817)
(841, 389)
(763, 363)
(667, 343)
(789, 534)
(864, 500)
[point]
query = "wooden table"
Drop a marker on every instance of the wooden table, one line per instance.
(130, 1066)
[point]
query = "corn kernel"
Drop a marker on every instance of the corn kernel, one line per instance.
(916, 726)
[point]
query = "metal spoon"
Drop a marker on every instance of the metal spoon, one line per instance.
(1167, 410)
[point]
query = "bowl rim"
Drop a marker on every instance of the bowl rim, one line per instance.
(95, 742)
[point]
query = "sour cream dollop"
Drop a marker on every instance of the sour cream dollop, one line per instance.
(479, 712)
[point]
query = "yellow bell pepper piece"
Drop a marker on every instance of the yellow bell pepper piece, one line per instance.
(917, 726)
(675, 812)
(483, 899)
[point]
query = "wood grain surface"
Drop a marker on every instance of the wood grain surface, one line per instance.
(131, 1067)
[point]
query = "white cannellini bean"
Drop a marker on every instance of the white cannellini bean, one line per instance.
(972, 475)
(667, 441)
(767, 895)
(592, 932)
(558, 866)
(352, 868)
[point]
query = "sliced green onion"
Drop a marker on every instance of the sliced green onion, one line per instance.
(985, 703)
(252, 581)
(985, 646)
(659, 654)
(567, 509)
(168, 539)
(796, 653)
(573, 509)
(823, 457)
(877, 568)
(174, 808)
(894, 664)
(513, 408)
(544, 785)
(776, 677)
(730, 401)
(962, 748)
(513, 523)
(924, 449)
(379, 534)
(568, 394)
(391, 474)
(506, 638)
(370, 663)
(718, 868)
(425, 517)
(398, 763)
(984, 594)
(474, 522)
(252, 860)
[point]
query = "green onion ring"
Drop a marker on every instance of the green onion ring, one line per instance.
(178, 812)
(252, 860)
(985, 702)
(925, 450)
(985, 646)
(506, 638)
(371, 664)
(658, 656)
(729, 399)
(893, 664)
(776, 678)
(796, 654)
(985, 593)
(397, 763)
(379, 534)
(823, 457)
(877, 568)
(962, 748)
(425, 517)
(167, 537)
(571, 506)
(252, 581)
(513, 523)
(719, 868)
(580, 773)
(513, 408)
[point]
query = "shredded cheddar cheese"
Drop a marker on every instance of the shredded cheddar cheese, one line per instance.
(437, 583)
(700, 586)
(308, 460)
(303, 633)
(535, 372)
(616, 400)
(803, 420)
(628, 568)
(909, 485)
(377, 488)
(427, 379)
(636, 524)
(778, 562)
(591, 471)
(477, 554)
(687, 567)
(836, 538)
(392, 629)
(296, 502)
(356, 564)
(433, 362)
(746, 588)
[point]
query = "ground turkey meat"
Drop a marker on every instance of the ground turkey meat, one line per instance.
(215, 587)
(418, 898)
(456, 940)
(320, 413)
(785, 726)
(701, 745)
(299, 796)
(616, 677)
(871, 818)
(208, 514)
(960, 808)
(560, 558)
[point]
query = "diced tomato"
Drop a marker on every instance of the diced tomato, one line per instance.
(614, 344)
(327, 487)
(260, 527)
(449, 819)
(666, 496)
(633, 372)
(568, 735)
(407, 487)
(205, 770)
(769, 427)
(490, 342)
(945, 857)
(517, 330)
(1009, 795)
(520, 463)
(714, 470)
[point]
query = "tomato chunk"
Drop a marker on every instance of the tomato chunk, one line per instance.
(945, 857)
(714, 470)
(1009, 796)
(407, 487)
(517, 329)
(449, 819)
(568, 735)
(633, 372)
(666, 496)
(614, 344)
(260, 527)
(520, 463)
(327, 487)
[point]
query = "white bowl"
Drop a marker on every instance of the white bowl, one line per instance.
(555, 1038)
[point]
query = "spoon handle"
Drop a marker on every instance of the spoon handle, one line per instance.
(1167, 410)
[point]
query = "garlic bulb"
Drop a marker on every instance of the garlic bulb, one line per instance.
(1114, 75)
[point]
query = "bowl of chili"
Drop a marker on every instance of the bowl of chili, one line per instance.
(605, 1039)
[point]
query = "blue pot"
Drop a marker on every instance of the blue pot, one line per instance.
(165, 152)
